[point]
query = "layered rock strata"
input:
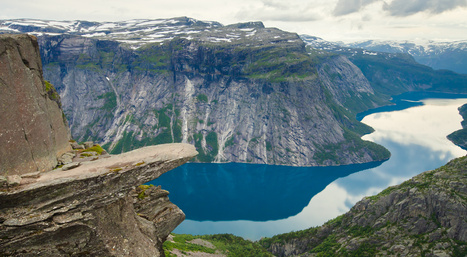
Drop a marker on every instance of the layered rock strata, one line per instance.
(94, 209)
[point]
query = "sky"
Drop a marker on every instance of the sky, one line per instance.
(332, 20)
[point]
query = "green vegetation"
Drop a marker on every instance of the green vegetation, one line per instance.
(85, 62)
(141, 191)
(153, 58)
(230, 142)
(352, 144)
(344, 236)
(211, 140)
(168, 131)
(212, 145)
(268, 146)
(96, 148)
(51, 92)
(110, 101)
(404, 70)
(202, 98)
(227, 244)
(279, 64)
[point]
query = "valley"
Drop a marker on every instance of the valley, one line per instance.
(286, 129)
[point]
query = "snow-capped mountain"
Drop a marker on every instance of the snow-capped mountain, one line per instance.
(438, 55)
(136, 33)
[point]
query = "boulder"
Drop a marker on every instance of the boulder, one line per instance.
(13, 180)
(66, 158)
(33, 131)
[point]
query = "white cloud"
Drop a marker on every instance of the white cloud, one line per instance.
(344, 7)
(271, 10)
(405, 8)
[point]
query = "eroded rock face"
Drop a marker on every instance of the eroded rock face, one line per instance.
(94, 209)
(257, 99)
(33, 131)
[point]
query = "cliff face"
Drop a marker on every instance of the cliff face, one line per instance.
(424, 216)
(33, 131)
(240, 93)
(92, 206)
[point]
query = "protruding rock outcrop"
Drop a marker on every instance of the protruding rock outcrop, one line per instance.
(91, 209)
(33, 131)
(90, 205)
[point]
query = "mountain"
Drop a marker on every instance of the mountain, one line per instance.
(239, 93)
(424, 216)
(438, 55)
(393, 73)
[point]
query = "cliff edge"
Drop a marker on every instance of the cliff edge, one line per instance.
(95, 205)
(33, 130)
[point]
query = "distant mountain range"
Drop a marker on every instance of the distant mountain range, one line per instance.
(438, 55)
(239, 93)
(397, 72)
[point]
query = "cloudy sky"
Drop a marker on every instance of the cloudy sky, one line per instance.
(346, 20)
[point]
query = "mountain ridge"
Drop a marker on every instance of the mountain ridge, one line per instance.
(236, 92)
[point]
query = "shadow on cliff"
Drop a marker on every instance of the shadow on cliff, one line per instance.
(237, 191)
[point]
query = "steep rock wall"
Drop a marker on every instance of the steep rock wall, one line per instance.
(259, 101)
(33, 131)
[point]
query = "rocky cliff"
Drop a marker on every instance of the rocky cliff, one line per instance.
(33, 126)
(459, 137)
(239, 93)
(95, 204)
(94, 209)
(424, 216)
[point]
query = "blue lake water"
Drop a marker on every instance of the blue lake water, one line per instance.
(255, 201)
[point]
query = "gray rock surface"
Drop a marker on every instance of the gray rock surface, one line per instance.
(66, 158)
(94, 209)
(239, 93)
(88, 210)
(33, 131)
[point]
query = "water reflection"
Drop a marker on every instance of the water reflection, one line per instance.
(255, 201)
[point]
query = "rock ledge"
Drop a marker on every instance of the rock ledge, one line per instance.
(91, 209)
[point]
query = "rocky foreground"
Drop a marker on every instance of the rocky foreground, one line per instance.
(424, 216)
(94, 208)
(91, 204)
